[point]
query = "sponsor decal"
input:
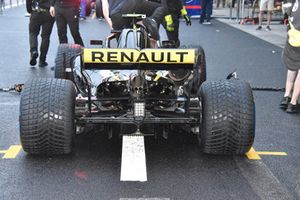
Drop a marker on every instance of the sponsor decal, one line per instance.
(127, 56)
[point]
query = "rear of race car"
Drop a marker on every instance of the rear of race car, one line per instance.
(144, 89)
(130, 91)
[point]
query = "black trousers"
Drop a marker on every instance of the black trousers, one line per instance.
(205, 13)
(151, 9)
(40, 20)
(65, 16)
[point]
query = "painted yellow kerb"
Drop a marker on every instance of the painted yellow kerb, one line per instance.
(11, 152)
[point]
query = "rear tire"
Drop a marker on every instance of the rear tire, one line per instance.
(200, 71)
(47, 112)
(64, 62)
(228, 117)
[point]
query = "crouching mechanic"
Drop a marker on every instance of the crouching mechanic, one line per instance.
(39, 18)
(174, 11)
(114, 9)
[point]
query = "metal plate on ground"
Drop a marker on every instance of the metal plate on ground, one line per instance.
(133, 166)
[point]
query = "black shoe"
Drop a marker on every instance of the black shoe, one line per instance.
(43, 64)
(293, 108)
(258, 28)
(33, 58)
(151, 27)
(284, 102)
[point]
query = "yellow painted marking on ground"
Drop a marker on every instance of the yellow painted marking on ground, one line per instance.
(3, 151)
(252, 154)
(12, 152)
(271, 153)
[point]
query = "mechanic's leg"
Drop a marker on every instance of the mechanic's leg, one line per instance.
(147, 7)
(203, 10)
(152, 9)
(159, 14)
(61, 24)
(156, 13)
(34, 29)
(296, 89)
(46, 32)
(118, 21)
(289, 85)
(209, 9)
(174, 35)
(73, 21)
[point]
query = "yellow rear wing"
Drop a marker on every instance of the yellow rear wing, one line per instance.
(109, 58)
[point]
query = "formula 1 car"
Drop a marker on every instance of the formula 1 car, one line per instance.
(165, 87)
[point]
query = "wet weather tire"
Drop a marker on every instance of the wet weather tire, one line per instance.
(200, 70)
(228, 117)
(64, 61)
(47, 116)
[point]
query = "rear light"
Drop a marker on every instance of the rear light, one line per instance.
(139, 109)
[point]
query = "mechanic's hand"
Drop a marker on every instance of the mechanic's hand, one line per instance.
(169, 23)
(52, 11)
(186, 17)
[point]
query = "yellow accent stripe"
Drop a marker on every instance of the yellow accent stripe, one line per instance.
(157, 77)
(272, 153)
(12, 152)
(252, 154)
(4, 151)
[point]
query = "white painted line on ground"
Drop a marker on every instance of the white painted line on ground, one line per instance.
(133, 166)
(262, 181)
(298, 183)
(145, 198)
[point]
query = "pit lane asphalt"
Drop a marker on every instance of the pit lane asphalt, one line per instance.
(176, 169)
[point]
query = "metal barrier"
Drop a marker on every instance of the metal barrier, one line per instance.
(232, 9)
(12, 3)
(244, 10)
